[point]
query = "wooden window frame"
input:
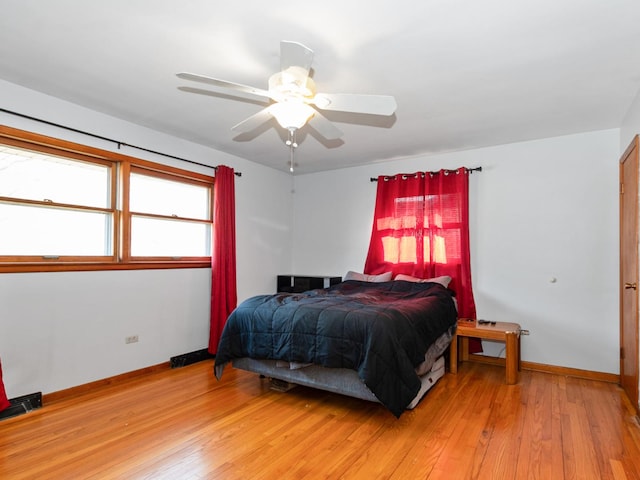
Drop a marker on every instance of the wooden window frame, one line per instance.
(121, 165)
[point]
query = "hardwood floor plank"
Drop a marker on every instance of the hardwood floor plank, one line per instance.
(584, 448)
(505, 422)
(184, 424)
(541, 432)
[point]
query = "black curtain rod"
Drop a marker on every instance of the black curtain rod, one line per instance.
(239, 174)
(470, 170)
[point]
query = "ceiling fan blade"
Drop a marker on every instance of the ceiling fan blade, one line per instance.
(295, 63)
(324, 127)
(347, 102)
(294, 54)
(253, 121)
(231, 95)
(238, 87)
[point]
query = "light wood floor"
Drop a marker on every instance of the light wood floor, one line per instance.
(184, 424)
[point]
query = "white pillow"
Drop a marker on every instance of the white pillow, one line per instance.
(444, 280)
(363, 277)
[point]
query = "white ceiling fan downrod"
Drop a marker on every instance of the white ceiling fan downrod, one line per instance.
(291, 143)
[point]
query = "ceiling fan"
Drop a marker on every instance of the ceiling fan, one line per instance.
(293, 99)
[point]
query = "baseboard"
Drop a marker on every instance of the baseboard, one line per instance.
(174, 362)
(200, 355)
(572, 372)
(23, 404)
(92, 386)
(189, 358)
(553, 369)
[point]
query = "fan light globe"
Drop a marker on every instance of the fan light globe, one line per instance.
(291, 114)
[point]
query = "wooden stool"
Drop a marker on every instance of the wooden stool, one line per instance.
(499, 331)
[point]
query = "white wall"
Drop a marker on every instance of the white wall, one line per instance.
(630, 124)
(539, 210)
(59, 330)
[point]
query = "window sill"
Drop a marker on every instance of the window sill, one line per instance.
(84, 267)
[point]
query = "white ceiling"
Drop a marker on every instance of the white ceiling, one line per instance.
(465, 73)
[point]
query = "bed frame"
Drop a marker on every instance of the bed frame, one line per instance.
(345, 381)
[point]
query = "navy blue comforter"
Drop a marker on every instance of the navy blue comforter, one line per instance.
(381, 330)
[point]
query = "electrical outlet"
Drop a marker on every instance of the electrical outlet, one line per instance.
(131, 339)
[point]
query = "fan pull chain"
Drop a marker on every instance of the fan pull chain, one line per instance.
(291, 143)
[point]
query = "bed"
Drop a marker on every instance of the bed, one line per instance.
(379, 341)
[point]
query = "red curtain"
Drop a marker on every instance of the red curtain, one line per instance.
(223, 257)
(4, 401)
(421, 228)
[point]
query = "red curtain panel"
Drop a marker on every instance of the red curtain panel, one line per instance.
(4, 401)
(223, 256)
(421, 228)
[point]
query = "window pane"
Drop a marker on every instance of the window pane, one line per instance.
(152, 237)
(165, 197)
(32, 230)
(37, 176)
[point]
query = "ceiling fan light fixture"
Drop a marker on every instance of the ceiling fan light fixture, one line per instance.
(293, 94)
(291, 114)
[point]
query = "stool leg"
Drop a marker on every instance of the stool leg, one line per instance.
(519, 355)
(464, 353)
(453, 354)
(511, 360)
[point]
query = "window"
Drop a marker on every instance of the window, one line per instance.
(65, 206)
(169, 217)
(430, 219)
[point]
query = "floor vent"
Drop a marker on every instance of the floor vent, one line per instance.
(189, 358)
(23, 404)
